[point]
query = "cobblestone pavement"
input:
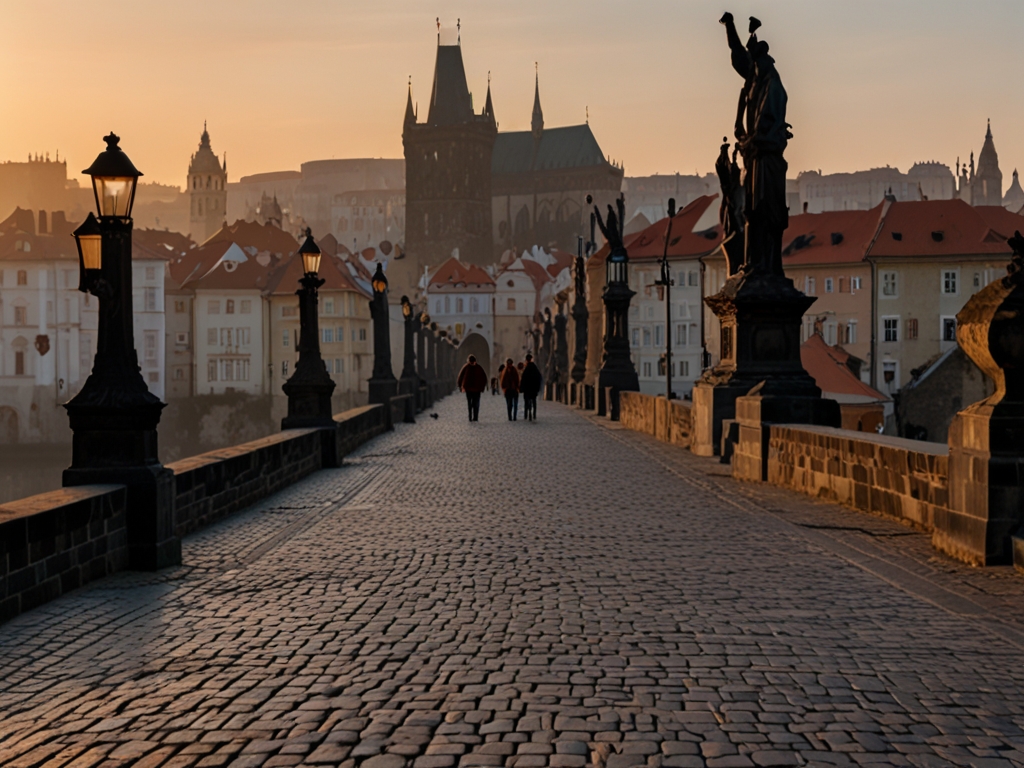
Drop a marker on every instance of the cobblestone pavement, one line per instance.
(560, 593)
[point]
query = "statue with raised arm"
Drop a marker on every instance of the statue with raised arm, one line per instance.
(762, 134)
(730, 212)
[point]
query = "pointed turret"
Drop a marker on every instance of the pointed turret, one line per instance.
(987, 188)
(488, 106)
(1014, 198)
(537, 124)
(410, 114)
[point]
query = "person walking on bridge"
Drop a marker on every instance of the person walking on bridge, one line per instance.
(510, 386)
(530, 384)
(473, 381)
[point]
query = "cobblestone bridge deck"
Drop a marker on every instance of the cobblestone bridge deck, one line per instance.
(563, 593)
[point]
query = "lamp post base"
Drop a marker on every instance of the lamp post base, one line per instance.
(309, 405)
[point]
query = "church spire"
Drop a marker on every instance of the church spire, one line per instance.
(537, 125)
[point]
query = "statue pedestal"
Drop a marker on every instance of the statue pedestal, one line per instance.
(986, 484)
(760, 365)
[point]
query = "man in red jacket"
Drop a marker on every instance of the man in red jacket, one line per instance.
(473, 381)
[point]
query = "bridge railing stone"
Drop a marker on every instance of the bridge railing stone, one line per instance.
(57, 541)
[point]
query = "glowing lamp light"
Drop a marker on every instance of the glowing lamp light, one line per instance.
(310, 253)
(90, 244)
(380, 282)
(406, 307)
(113, 180)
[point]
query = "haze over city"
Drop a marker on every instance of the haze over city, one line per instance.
(870, 83)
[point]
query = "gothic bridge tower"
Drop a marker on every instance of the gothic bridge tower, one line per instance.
(447, 175)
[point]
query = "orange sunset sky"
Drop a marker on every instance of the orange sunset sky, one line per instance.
(870, 83)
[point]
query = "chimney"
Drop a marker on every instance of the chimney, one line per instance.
(43, 229)
(59, 223)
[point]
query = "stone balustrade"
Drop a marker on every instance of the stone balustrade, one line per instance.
(56, 541)
(667, 420)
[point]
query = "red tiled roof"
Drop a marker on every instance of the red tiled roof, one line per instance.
(453, 272)
(285, 275)
(827, 367)
(262, 237)
(809, 239)
(649, 243)
(536, 273)
(562, 261)
(174, 243)
(940, 228)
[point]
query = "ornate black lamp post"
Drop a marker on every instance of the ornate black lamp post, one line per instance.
(114, 416)
(310, 388)
(410, 382)
(383, 385)
(617, 369)
(443, 361)
(421, 329)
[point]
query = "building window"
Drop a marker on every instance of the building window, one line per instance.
(153, 377)
(19, 363)
(289, 311)
(179, 374)
(949, 281)
(339, 334)
(22, 277)
(20, 315)
(327, 335)
(693, 278)
(179, 307)
(284, 337)
(647, 370)
(213, 307)
(459, 306)
(149, 343)
(211, 370)
(977, 280)
(362, 334)
(889, 374)
(181, 338)
(242, 336)
(828, 285)
(890, 287)
(150, 299)
(229, 307)
(841, 285)
(284, 369)
(636, 337)
(447, 305)
(339, 365)
(684, 368)
(246, 306)
(851, 332)
(211, 336)
(226, 337)
(659, 335)
(328, 306)
(890, 328)
(151, 273)
(474, 305)
(854, 284)
(911, 328)
(810, 286)
(948, 328)
(511, 303)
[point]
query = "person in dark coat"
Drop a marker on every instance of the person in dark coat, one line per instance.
(473, 380)
(530, 384)
(510, 386)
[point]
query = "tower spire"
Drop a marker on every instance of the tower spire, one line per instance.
(410, 115)
(488, 105)
(537, 124)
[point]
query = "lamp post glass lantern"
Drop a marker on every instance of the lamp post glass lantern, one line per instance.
(113, 180)
(310, 253)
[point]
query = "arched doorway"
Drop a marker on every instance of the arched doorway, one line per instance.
(475, 344)
(8, 426)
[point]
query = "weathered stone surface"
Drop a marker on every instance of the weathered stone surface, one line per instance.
(668, 421)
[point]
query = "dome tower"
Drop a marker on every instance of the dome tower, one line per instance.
(207, 189)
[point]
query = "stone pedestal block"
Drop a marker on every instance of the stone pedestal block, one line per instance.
(756, 412)
(149, 514)
(986, 484)
(712, 405)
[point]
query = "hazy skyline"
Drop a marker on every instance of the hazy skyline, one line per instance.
(870, 83)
